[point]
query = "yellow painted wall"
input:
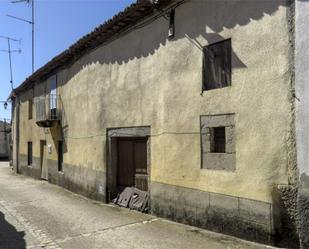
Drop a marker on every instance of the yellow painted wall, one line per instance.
(142, 79)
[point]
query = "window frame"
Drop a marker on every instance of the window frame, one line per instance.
(29, 153)
(211, 84)
(210, 160)
(216, 145)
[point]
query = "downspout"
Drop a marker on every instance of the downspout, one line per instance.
(17, 133)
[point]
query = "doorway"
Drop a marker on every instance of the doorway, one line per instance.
(43, 157)
(132, 163)
(128, 159)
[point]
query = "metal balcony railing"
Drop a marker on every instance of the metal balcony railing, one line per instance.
(47, 110)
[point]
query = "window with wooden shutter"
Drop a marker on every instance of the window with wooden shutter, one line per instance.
(217, 65)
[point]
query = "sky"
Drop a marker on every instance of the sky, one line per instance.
(58, 24)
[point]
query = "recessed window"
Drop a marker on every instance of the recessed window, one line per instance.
(29, 153)
(217, 65)
(30, 108)
(217, 140)
(60, 156)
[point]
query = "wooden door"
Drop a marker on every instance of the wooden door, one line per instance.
(125, 171)
(140, 162)
(132, 163)
(44, 169)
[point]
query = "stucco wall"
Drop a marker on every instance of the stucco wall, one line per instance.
(156, 82)
(143, 79)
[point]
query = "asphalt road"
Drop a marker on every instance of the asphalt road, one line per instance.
(36, 214)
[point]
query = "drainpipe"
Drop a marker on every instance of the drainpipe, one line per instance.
(16, 106)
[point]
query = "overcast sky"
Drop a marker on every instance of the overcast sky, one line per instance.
(58, 24)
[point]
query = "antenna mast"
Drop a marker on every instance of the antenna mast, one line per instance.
(9, 51)
(28, 21)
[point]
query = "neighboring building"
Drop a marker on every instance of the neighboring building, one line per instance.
(5, 131)
(302, 115)
(192, 101)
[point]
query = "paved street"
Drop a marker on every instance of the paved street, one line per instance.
(36, 214)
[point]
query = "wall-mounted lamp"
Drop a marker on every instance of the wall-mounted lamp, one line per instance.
(171, 29)
(5, 104)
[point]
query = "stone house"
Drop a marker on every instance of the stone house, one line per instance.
(197, 102)
(5, 131)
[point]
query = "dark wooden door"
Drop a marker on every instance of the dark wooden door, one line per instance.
(140, 162)
(44, 169)
(132, 163)
(125, 176)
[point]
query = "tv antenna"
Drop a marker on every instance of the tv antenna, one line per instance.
(27, 21)
(10, 51)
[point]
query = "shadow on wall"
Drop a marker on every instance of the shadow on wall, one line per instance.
(9, 236)
(206, 21)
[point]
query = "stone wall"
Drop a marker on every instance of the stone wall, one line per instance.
(246, 218)
(87, 182)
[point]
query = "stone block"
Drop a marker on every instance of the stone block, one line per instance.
(185, 214)
(217, 120)
(219, 161)
(224, 203)
(201, 218)
(230, 139)
(196, 198)
(257, 211)
(163, 208)
(205, 141)
(167, 191)
(213, 211)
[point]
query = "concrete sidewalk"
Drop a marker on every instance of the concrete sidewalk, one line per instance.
(36, 214)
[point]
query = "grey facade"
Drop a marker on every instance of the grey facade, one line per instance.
(302, 116)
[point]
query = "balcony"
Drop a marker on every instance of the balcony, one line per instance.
(47, 110)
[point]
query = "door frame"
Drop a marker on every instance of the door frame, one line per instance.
(113, 134)
(42, 144)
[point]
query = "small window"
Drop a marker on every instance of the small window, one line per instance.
(29, 153)
(30, 108)
(217, 143)
(60, 156)
(217, 65)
